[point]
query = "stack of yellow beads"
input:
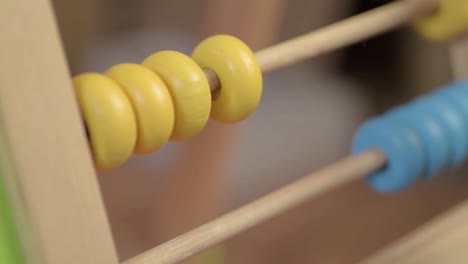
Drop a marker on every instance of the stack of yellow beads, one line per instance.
(137, 108)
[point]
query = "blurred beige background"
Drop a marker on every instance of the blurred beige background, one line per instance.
(306, 120)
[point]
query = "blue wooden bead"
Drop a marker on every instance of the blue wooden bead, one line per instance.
(456, 95)
(420, 138)
(431, 134)
(459, 86)
(451, 119)
(401, 145)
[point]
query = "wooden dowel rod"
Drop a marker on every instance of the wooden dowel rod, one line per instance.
(459, 57)
(275, 203)
(338, 35)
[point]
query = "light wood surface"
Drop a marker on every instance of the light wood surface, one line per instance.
(254, 213)
(442, 240)
(50, 178)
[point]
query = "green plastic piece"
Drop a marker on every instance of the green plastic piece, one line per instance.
(214, 255)
(10, 246)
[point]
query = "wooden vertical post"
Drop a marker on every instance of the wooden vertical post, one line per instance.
(47, 169)
(459, 57)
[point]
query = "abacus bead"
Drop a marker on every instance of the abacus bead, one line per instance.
(450, 20)
(451, 120)
(239, 74)
(405, 157)
(457, 96)
(189, 90)
(151, 102)
(109, 119)
(430, 133)
(457, 89)
(462, 86)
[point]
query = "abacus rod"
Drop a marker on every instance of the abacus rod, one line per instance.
(338, 35)
(264, 208)
(459, 57)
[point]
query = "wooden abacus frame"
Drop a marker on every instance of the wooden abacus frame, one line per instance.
(48, 172)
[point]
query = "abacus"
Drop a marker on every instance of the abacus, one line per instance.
(53, 202)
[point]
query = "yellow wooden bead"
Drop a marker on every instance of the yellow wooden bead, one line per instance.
(450, 20)
(239, 74)
(109, 118)
(189, 89)
(151, 102)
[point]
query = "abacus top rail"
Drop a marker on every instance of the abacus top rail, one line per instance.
(254, 213)
(338, 35)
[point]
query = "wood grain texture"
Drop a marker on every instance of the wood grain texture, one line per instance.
(50, 178)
